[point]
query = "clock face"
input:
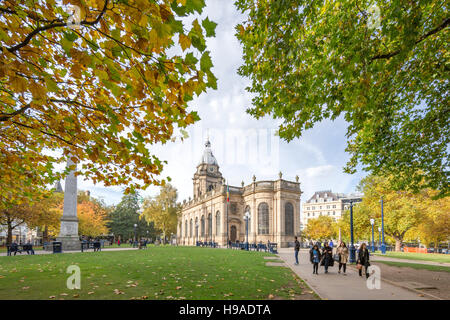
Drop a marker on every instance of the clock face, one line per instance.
(211, 169)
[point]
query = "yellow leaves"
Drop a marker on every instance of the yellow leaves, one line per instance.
(39, 92)
(19, 84)
(182, 2)
(184, 41)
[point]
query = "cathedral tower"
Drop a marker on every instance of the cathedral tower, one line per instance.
(207, 177)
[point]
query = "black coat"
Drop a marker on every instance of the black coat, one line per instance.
(327, 254)
(363, 257)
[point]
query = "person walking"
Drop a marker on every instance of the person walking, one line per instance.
(327, 256)
(342, 251)
(363, 260)
(296, 250)
(314, 257)
(331, 244)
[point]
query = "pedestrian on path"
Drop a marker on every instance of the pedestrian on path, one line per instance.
(327, 256)
(363, 259)
(342, 251)
(296, 249)
(331, 244)
(314, 257)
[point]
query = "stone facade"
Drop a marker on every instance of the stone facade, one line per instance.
(274, 208)
(325, 203)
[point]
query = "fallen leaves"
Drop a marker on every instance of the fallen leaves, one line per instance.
(117, 291)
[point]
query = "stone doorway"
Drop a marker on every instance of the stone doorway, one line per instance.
(233, 233)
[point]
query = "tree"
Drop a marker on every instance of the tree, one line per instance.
(434, 227)
(47, 215)
(123, 218)
(92, 218)
(163, 210)
(99, 86)
(315, 60)
(402, 210)
(320, 228)
(16, 211)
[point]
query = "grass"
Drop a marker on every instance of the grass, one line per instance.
(155, 273)
(436, 257)
(416, 266)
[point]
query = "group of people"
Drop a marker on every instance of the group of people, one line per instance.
(323, 256)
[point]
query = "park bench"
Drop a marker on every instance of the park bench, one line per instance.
(273, 248)
(261, 247)
(16, 248)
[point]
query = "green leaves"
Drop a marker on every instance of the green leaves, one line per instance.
(210, 27)
(205, 62)
(309, 61)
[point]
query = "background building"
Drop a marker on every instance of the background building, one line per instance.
(325, 203)
(274, 208)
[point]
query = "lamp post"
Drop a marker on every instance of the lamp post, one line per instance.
(135, 237)
(352, 245)
(246, 218)
(372, 222)
(383, 246)
(379, 237)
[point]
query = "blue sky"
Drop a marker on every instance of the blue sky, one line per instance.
(243, 145)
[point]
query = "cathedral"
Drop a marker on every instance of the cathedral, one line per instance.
(273, 208)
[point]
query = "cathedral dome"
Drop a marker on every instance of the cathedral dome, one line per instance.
(208, 157)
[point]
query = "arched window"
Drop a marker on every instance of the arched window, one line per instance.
(289, 219)
(209, 225)
(263, 218)
(185, 229)
(202, 227)
(190, 229)
(217, 223)
(196, 227)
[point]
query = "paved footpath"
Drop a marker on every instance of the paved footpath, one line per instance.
(334, 286)
(431, 263)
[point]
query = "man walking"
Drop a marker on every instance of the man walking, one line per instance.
(297, 249)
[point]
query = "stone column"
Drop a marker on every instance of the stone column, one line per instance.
(68, 234)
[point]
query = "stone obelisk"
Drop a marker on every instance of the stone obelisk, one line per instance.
(68, 234)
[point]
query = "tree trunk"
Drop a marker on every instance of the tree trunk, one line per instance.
(398, 244)
(9, 233)
(45, 235)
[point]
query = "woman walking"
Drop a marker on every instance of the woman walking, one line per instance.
(327, 254)
(314, 257)
(363, 259)
(342, 251)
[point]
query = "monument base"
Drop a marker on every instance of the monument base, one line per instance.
(70, 243)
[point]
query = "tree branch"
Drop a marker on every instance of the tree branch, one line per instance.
(423, 37)
(7, 116)
(55, 25)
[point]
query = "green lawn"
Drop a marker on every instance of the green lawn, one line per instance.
(416, 266)
(436, 257)
(155, 273)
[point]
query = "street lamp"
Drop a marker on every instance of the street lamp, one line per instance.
(379, 237)
(383, 246)
(372, 222)
(352, 246)
(246, 218)
(135, 237)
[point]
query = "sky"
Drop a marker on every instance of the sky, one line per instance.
(242, 145)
